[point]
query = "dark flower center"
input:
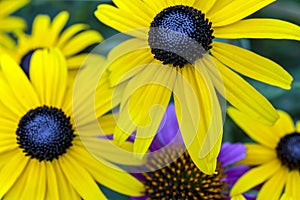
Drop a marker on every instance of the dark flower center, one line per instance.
(180, 35)
(182, 179)
(45, 133)
(288, 151)
(25, 62)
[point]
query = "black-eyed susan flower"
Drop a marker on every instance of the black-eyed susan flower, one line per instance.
(42, 155)
(275, 157)
(171, 174)
(10, 23)
(175, 51)
(45, 33)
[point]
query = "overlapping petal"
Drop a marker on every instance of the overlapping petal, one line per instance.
(259, 28)
(252, 65)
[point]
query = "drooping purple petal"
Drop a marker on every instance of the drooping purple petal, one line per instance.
(139, 176)
(250, 196)
(234, 173)
(139, 198)
(168, 131)
(231, 153)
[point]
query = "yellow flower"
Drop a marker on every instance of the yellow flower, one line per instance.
(174, 52)
(45, 33)
(42, 155)
(275, 160)
(10, 23)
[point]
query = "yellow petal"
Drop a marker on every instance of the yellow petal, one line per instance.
(20, 85)
(151, 90)
(8, 7)
(259, 28)
(40, 28)
(69, 33)
(129, 65)
(92, 100)
(86, 99)
(255, 176)
(114, 18)
(8, 125)
(286, 197)
(105, 149)
(292, 184)
(9, 103)
(8, 142)
(257, 154)
(76, 61)
(76, 175)
(57, 25)
(20, 187)
(113, 177)
(204, 6)
(235, 11)
(105, 125)
(238, 197)
(11, 171)
(284, 124)
(272, 189)
(12, 113)
(7, 42)
(66, 191)
(187, 2)
(155, 102)
(199, 115)
(255, 129)
(108, 123)
(138, 8)
(12, 24)
(160, 5)
(36, 180)
(48, 74)
(81, 41)
(219, 4)
(252, 65)
(52, 185)
(243, 96)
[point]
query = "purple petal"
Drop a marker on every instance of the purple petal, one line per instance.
(234, 173)
(231, 153)
(169, 130)
(139, 176)
(139, 198)
(249, 196)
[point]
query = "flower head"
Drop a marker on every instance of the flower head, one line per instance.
(10, 23)
(174, 54)
(171, 174)
(42, 155)
(275, 157)
(46, 33)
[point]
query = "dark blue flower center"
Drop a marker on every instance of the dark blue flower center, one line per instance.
(45, 133)
(25, 62)
(180, 35)
(288, 151)
(182, 179)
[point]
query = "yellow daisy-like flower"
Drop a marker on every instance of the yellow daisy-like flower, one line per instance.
(275, 160)
(45, 33)
(42, 156)
(176, 37)
(10, 23)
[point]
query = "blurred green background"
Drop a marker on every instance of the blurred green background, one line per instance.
(284, 52)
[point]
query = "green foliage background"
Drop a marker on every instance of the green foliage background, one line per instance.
(284, 52)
